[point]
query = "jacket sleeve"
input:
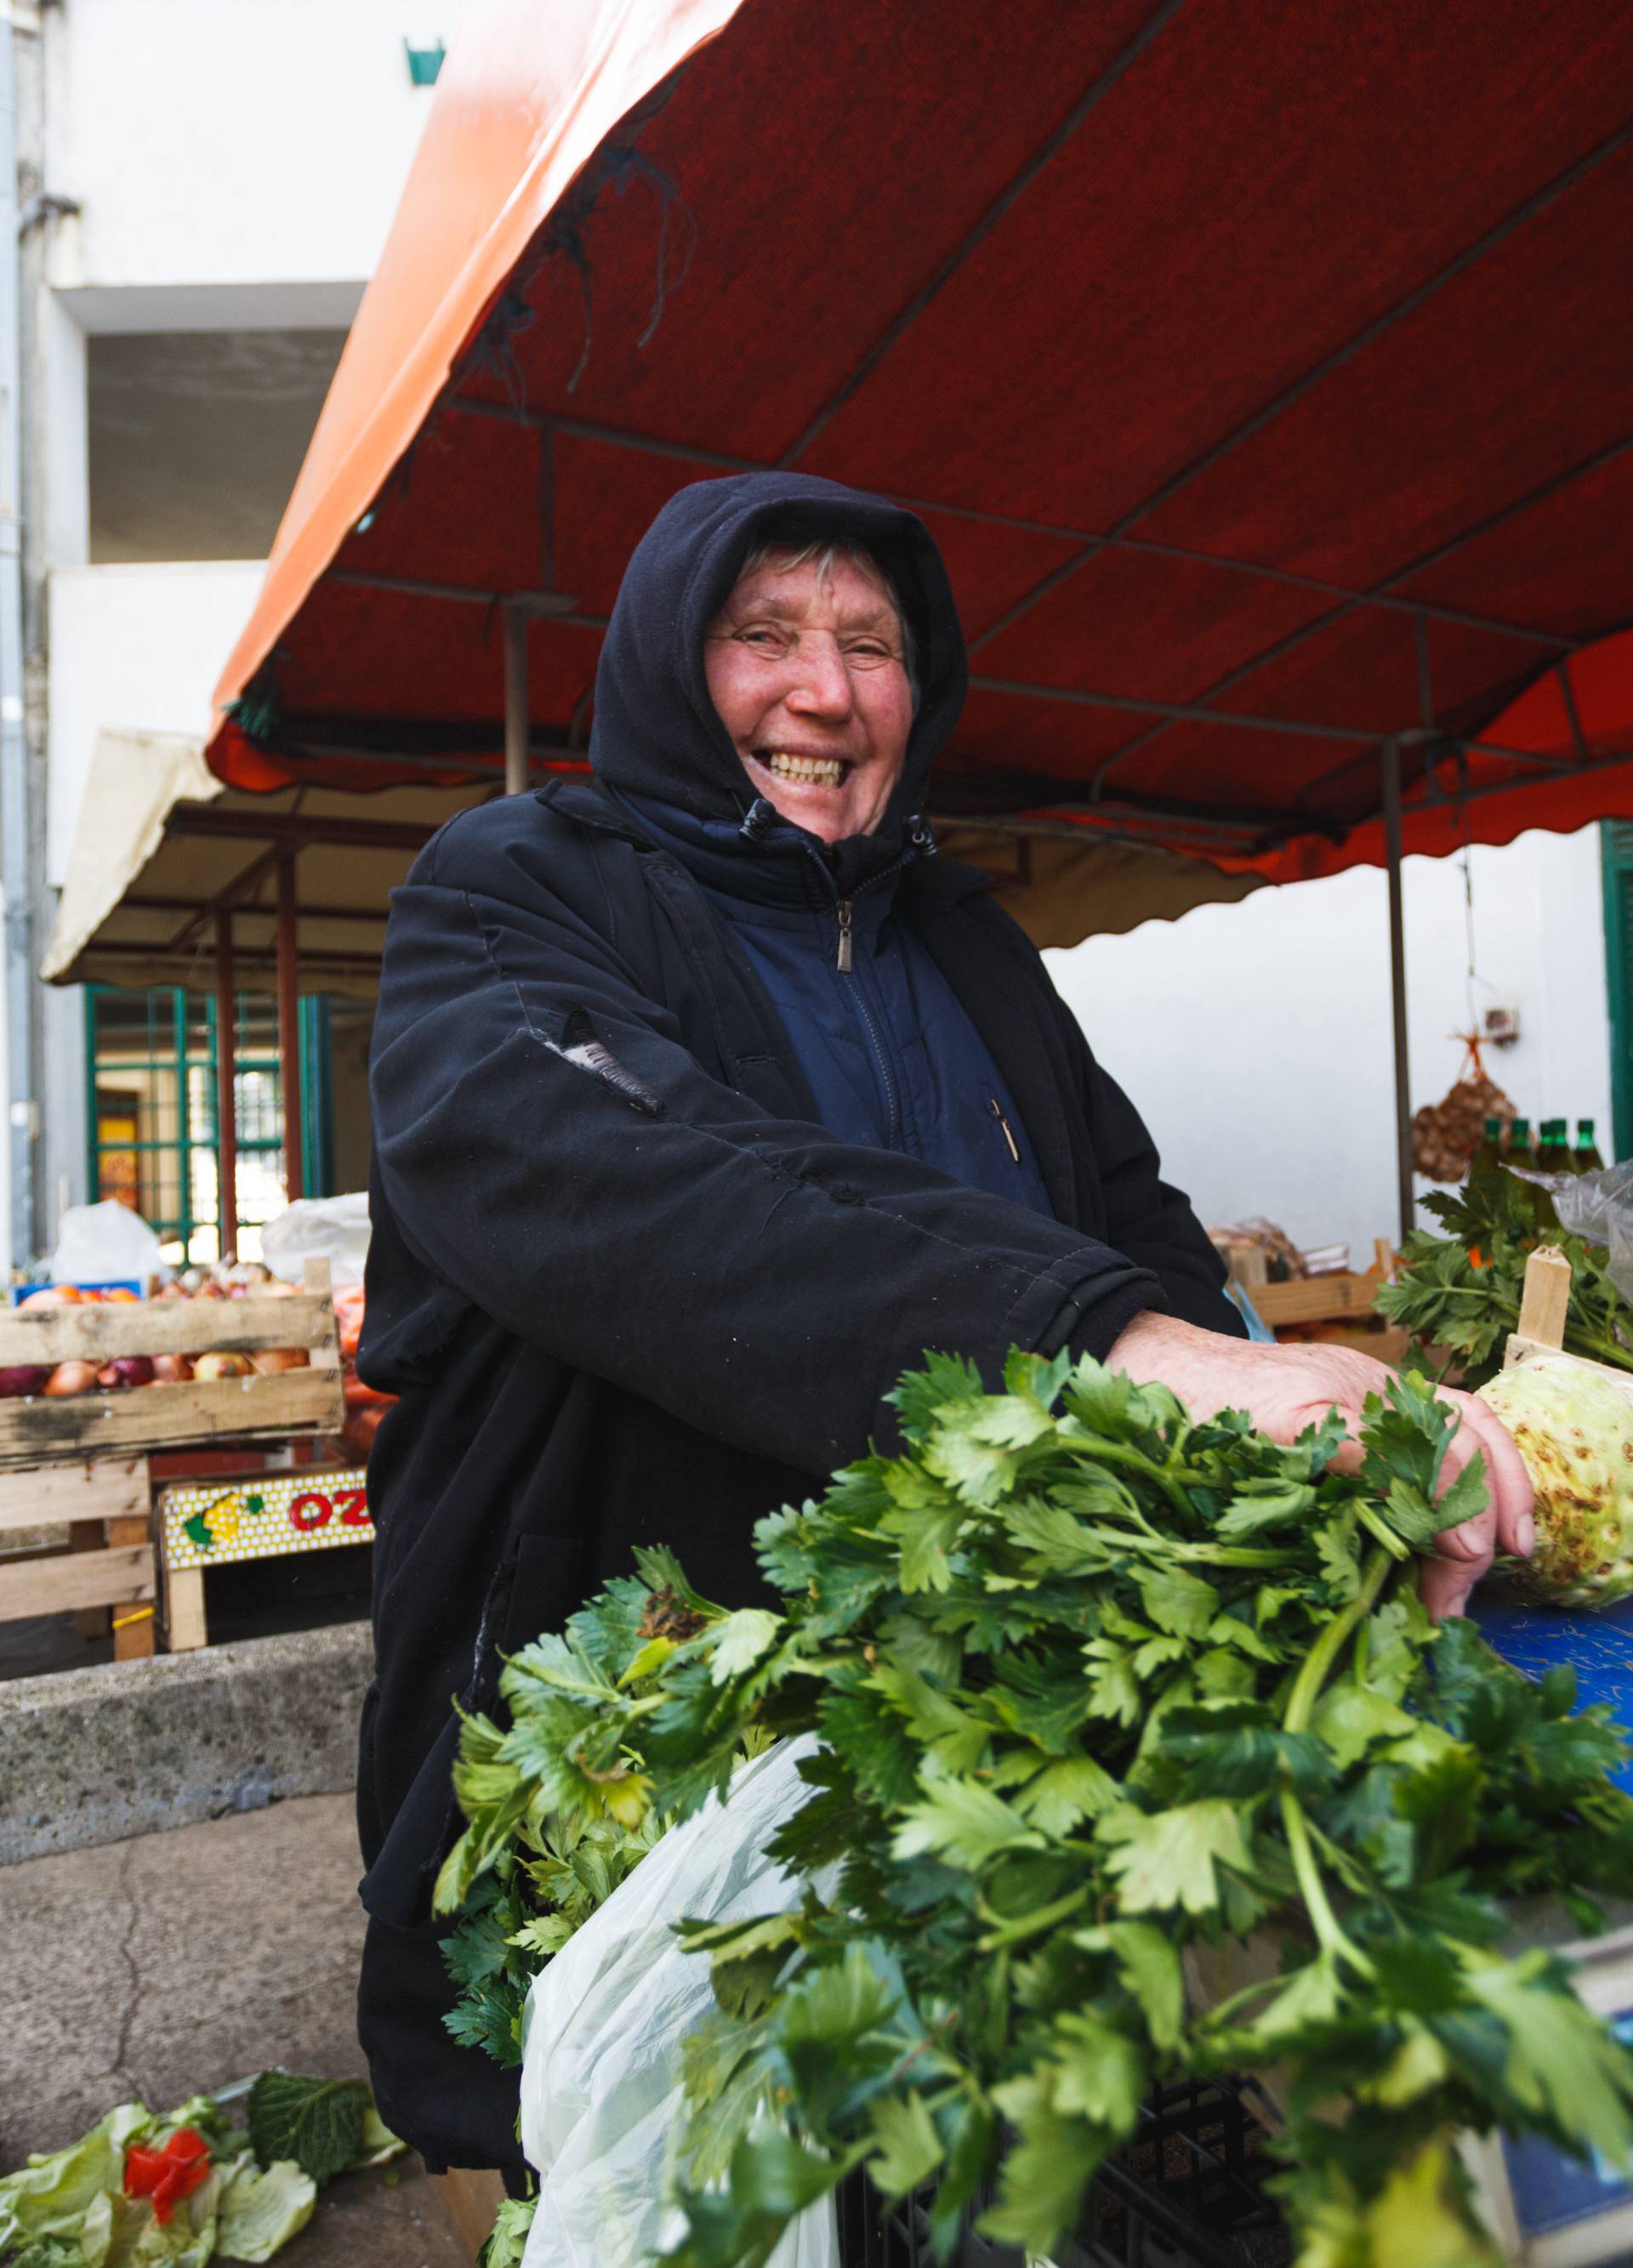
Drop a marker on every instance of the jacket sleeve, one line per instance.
(1147, 1218)
(555, 1153)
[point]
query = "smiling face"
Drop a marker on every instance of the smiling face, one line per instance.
(808, 671)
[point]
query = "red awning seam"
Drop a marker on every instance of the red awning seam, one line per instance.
(903, 322)
(1268, 412)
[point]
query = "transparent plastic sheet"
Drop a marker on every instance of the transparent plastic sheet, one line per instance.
(601, 2057)
(1599, 1208)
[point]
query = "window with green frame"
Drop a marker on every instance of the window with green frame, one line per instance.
(1617, 849)
(154, 1142)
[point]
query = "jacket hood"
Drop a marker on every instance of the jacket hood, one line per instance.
(656, 733)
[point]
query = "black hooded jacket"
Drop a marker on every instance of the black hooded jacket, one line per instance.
(628, 1288)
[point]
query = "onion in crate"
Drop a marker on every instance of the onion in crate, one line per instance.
(126, 1370)
(70, 1377)
(221, 1365)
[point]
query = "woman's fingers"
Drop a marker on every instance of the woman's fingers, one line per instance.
(1285, 1390)
(1444, 1584)
(1513, 1498)
(1465, 1552)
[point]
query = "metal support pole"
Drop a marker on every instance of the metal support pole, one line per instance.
(1397, 986)
(226, 1088)
(19, 872)
(289, 1026)
(516, 701)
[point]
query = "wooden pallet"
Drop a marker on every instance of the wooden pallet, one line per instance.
(288, 1401)
(105, 1569)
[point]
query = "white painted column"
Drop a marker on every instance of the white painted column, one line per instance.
(67, 438)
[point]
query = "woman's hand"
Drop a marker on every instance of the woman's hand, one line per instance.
(1285, 1389)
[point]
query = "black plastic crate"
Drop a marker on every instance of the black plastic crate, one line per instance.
(1186, 2192)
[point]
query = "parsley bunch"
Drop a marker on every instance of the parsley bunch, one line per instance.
(1102, 1693)
(1461, 1292)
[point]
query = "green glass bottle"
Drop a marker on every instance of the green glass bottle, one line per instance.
(1489, 1156)
(1586, 1157)
(1519, 1152)
(1554, 1146)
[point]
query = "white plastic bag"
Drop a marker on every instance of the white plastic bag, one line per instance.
(335, 1228)
(106, 1243)
(601, 2041)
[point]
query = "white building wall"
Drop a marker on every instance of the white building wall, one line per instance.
(141, 646)
(236, 164)
(221, 144)
(1255, 1038)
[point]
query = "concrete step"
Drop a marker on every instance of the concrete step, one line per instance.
(95, 1756)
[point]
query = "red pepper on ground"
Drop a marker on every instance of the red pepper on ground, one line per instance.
(170, 2174)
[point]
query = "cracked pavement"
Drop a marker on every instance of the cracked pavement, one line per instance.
(180, 1962)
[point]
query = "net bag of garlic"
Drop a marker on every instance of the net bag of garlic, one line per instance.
(1447, 1134)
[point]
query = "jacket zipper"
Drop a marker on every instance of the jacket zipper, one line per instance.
(997, 1109)
(920, 844)
(846, 907)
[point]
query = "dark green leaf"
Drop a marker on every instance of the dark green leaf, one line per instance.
(316, 2122)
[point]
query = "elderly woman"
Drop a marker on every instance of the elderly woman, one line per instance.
(706, 1098)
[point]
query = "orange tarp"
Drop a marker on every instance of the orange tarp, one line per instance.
(1262, 378)
(524, 97)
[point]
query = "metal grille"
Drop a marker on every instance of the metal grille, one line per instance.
(151, 1062)
(1186, 2192)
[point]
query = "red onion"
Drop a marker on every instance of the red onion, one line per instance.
(22, 1378)
(126, 1370)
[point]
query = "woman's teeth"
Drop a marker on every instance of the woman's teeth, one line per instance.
(814, 771)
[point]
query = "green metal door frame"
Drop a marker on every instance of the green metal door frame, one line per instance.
(317, 1095)
(170, 1009)
(1616, 864)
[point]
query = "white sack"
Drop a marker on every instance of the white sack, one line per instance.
(335, 1229)
(106, 1243)
(601, 2055)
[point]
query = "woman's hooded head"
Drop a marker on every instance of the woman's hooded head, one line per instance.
(656, 732)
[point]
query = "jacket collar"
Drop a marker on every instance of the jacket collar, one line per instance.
(940, 880)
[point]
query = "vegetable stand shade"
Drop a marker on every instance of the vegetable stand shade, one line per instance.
(1261, 383)
(175, 877)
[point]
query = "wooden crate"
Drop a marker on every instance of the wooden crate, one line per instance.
(107, 1567)
(97, 1425)
(1314, 1299)
(83, 1461)
(471, 2201)
(215, 1521)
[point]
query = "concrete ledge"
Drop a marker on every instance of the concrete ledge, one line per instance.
(95, 1756)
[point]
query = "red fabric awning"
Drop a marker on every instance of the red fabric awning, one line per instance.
(1262, 372)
